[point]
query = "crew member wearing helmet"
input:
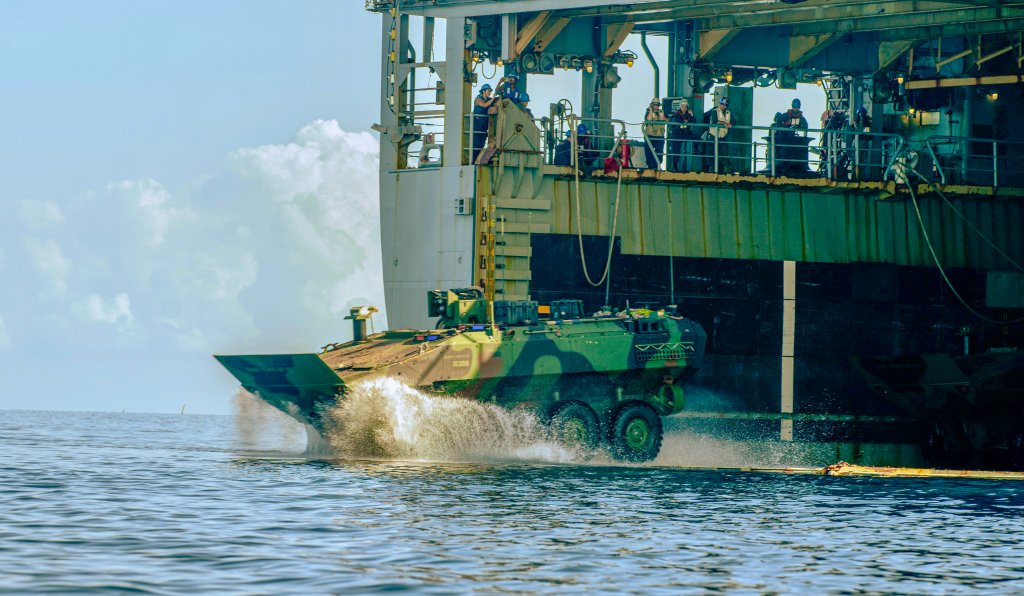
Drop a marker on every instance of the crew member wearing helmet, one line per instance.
(588, 156)
(481, 118)
(563, 151)
(794, 117)
(508, 90)
(524, 103)
(654, 134)
(681, 135)
(720, 120)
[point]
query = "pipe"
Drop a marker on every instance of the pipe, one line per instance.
(654, 64)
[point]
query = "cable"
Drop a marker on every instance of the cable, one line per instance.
(573, 119)
(942, 271)
(971, 225)
(494, 73)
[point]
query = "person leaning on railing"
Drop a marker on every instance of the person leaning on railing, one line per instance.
(681, 136)
(654, 134)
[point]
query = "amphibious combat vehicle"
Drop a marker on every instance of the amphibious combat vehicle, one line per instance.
(601, 380)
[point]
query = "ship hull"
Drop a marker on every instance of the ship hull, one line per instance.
(755, 367)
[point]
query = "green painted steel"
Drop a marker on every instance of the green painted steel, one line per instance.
(768, 223)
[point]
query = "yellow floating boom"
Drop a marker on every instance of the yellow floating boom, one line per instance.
(845, 469)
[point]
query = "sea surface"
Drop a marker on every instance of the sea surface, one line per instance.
(173, 504)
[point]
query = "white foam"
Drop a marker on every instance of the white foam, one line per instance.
(386, 419)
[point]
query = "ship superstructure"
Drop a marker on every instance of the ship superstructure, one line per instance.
(835, 262)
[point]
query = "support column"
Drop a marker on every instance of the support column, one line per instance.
(680, 55)
(458, 94)
(788, 339)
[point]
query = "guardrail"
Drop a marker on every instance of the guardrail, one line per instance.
(973, 161)
(844, 155)
(741, 149)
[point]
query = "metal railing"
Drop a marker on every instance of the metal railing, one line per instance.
(973, 161)
(742, 149)
(842, 155)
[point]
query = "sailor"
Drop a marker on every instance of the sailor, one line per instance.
(681, 135)
(654, 134)
(481, 119)
(563, 151)
(524, 103)
(720, 120)
(507, 88)
(586, 146)
(794, 117)
(861, 120)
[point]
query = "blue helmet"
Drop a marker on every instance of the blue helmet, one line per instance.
(862, 111)
(485, 87)
(796, 103)
(524, 96)
(582, 129)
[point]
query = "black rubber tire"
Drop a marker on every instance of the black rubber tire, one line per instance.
(573, 417)
(627, 419)
(946, 445)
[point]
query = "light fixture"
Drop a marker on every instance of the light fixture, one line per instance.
(629, 62)
(500, 62)
(576, 63)
(728, 77)
(911, 111)
(589, 65)
(900, 79)
(817, 82)
(476, 57)
(993, 95)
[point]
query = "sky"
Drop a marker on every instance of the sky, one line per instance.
(179, 179)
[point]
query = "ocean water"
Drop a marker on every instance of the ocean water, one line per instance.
(173, 504)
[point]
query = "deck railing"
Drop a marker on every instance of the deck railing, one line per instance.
(843, 155)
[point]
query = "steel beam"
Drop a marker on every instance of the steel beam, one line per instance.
(549, 33)
(952, 30)
(804, 48)
(530, 29)
(616, 35)
(711, 42)
(476, 8)
(837, 17)
(890, 51)
(888, 22)
(965, 81)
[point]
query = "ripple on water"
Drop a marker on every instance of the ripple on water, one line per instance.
(88, 502)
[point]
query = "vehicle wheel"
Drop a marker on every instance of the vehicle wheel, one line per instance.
(576, 425)
(946, 445)
(1016, 445)
(636, 434)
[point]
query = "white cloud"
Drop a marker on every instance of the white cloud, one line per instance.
(266, 254)
(49, 260)
(151, 207)
(95, 308)
(40, 214)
